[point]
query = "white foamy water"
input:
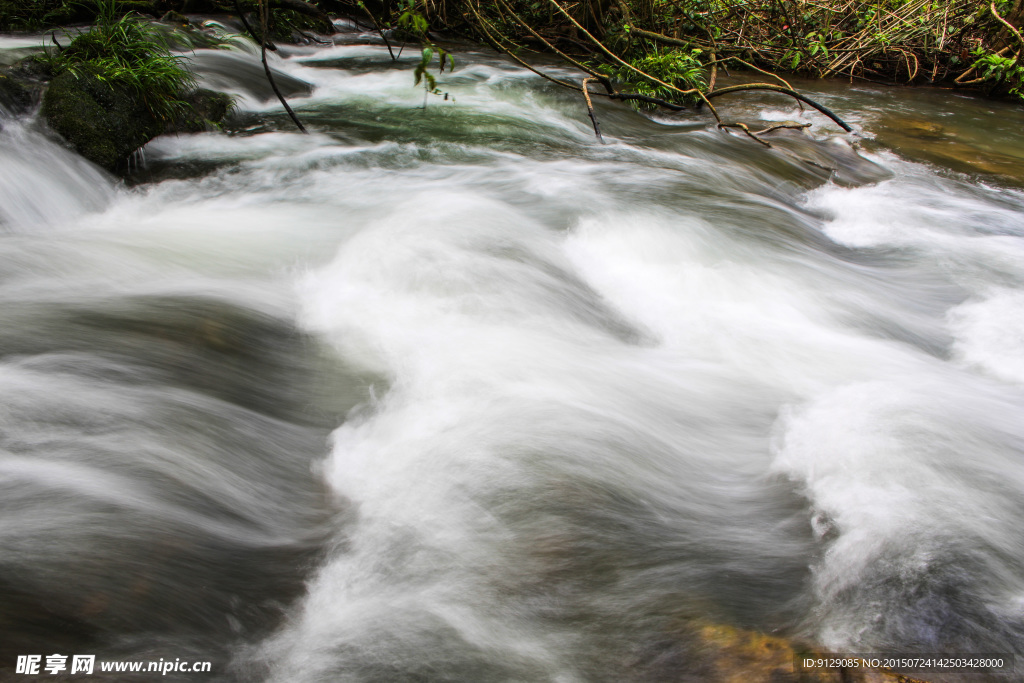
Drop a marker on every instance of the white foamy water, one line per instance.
(580, 398)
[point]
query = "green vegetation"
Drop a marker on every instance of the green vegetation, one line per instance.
(112, 88)
(651, 53)
(666, 49)
(36, 15)
(679, 69)
(32, 15)
(973, 44)
(998, 65)
(127, 53)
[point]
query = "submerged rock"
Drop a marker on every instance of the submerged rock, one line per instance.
(926, 141)
(835, 158)
(740, 656)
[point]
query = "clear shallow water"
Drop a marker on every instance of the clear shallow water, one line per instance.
(457, 393)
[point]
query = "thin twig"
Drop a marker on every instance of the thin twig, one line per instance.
(792, 126)
(265, 21)
(745, 129)
(499, 48)
(590, 109)
(601, 78)
(252, 34)
(380, 32)
(601, 46)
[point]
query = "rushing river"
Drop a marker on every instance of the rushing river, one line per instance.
(457, 393)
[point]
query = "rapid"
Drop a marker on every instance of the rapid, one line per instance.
(449, 391)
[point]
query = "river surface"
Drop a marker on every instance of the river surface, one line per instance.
(456, 393)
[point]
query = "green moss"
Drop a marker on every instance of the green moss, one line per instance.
(105, 123)
(208, 109)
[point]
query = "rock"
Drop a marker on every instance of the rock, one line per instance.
(172, 17)
(102, 122)
(924, 130)
(105, 123)
(927, 141)
(834, 157)
(22, 83)
(227, 70)
(209, 108)
(34, 69)
(15, 96)
(740, 656)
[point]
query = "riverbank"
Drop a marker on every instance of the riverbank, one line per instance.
(681, 43)
(660, 55)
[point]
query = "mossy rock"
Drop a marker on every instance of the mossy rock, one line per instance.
(102, 122)
(105, 123)
(35, 69)
(208, 109)
(172, 17)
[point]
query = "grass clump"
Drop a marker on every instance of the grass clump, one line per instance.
(125, 52)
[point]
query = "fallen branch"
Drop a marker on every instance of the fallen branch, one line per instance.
(793, 126)
(664, 40)
(745, 129)
(502, 43)
(786, 91)
(590, 108)
(637, 97)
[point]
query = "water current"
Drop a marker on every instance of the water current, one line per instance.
(455, 392)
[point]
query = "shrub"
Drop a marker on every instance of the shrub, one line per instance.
(680, 68)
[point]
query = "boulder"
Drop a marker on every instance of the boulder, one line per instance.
(106, 122)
